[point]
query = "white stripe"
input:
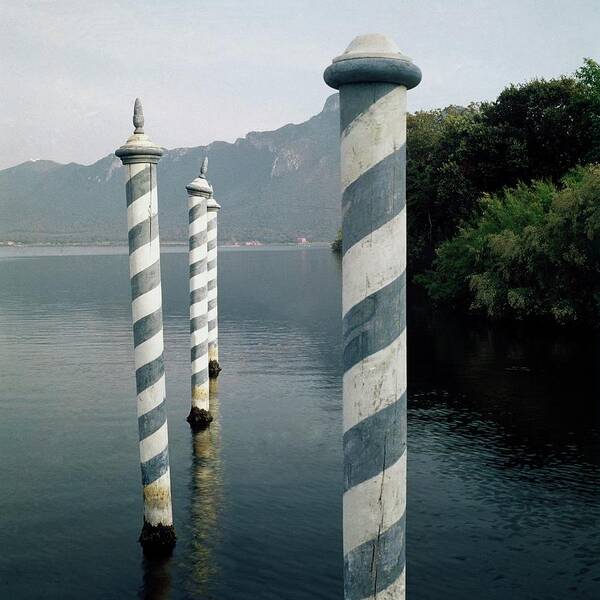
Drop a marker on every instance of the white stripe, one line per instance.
(144, 257)
(198, 337)
(159, 511)
(143, 208)
(146, 303)
(204, 403)
(374, 261)
(149, 350)
(198, 253)
(154, 444)
(373, 506)
(198, 309)
(375, 382)
(200, 363)
(197, 281)
(373, 135)
(151, 397)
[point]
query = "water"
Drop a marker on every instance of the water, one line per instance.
(504, 441)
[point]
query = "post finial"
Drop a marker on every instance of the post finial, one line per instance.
(138, 116)
(204, 168)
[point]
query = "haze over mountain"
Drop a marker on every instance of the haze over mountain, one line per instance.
(273, 186)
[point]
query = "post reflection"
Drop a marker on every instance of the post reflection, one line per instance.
(206, 502)
(156, 584)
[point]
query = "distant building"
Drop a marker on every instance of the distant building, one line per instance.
(302, 240)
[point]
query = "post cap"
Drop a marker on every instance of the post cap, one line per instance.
(212, 204)
(372, 58)
(200, 185)
(138, 148)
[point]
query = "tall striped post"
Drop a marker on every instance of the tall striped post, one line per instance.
(372, 77)
(214, 368)
(199, 191)
(140, 156)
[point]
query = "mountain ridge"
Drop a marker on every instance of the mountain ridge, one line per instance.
(273, 186)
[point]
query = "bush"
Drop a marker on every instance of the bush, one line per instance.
(534, 252)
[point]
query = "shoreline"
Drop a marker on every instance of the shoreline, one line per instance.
(166, 243)
(35, 250)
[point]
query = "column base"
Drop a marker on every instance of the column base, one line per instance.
(157, 540)
(214, 369)
(199, 418)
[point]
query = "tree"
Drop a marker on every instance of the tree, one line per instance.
(533, 253)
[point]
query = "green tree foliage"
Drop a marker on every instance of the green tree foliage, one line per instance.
(534, 252)
(533, 131)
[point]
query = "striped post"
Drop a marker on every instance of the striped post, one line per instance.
(141, 156)
(372, 77)
(199, 191)
(214, 368)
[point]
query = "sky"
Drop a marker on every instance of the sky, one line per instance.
(216, 69)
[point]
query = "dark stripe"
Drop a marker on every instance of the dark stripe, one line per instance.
(212, 344)
(145, 280)
(196, 211)
(142, 233)
(149, 374)
(147, 326)
(211, 245)
(200, 377)
(212, 324)
(211, 264)
(374, 322)
(212, 304)
(211, 224)
(199, 350)
(197, 322)
(198, 294)
(374, 198)
(198, 240)
(358, 99)
(198, 267)
(211, 284)
(152, 421)
(138, 185)
(375, 565)
(374, 443)
(156, 467)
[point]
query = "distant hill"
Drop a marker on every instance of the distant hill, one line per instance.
(273, 186)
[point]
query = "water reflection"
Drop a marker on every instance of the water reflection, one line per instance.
(157, 579)
(504, 442)
(206, 500)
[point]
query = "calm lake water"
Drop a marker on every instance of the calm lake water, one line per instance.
(504, 441)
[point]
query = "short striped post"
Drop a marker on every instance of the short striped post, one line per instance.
(372, 77)
(214, 368)
(141, 156)
(199, 191)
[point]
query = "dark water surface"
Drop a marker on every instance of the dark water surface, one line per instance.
(504, 442)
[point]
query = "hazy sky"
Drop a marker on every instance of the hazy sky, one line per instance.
(216, 69)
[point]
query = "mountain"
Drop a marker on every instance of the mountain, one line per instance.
(272, 186)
